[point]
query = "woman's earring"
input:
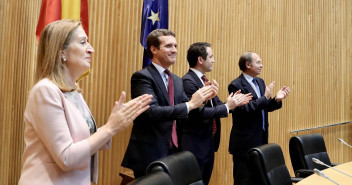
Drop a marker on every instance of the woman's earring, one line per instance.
(63, 58)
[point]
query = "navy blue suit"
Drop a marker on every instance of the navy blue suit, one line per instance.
(196, 133)
(247, 129)
(151, 132)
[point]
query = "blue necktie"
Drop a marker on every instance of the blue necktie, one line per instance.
(259, 95)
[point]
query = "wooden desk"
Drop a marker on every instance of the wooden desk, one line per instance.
(333, 174)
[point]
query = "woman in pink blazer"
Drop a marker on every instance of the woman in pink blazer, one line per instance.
(61, 137)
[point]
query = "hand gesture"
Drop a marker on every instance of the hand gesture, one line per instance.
(269, 90)
(120, 103)
(237, 99)
(201, 95)
(215, 87)
(123, 114)
(282, 93)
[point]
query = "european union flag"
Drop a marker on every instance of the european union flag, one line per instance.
(154, 16)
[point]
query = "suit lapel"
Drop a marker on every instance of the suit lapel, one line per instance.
(196, 78)
(159, 81)
(200, 85)
(178, 89)
(248, 86)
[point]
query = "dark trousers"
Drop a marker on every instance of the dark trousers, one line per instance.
(240, 171)
(138, 173)
(206, 166)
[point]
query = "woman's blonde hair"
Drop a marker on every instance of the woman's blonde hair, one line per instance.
(55, 37)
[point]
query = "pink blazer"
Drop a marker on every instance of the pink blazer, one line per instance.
(57, 150)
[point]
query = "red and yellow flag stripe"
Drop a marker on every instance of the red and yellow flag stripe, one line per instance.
(53, 10)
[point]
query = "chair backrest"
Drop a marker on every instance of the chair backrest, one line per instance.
(155, 178)
(267, 166)
(305, 147)
(182, 168)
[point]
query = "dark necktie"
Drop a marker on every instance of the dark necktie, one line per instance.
(259, 95)
(205, 80)
(170, 87)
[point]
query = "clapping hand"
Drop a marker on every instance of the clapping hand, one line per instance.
(237, 99)
(269, 90)
(282, 93)
(203, 94)
(123, 114)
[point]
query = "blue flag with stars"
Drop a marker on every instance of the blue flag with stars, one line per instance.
(154, 16)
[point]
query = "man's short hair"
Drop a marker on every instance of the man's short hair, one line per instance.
(247, 56)
(198, 49)
(153, 39)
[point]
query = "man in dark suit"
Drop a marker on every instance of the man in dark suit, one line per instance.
(250, 121)
(154, 132)
(200, 134)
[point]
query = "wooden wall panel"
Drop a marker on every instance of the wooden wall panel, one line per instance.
(17, 54)
(303, 44)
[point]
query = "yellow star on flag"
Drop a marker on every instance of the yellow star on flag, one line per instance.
(154, 17)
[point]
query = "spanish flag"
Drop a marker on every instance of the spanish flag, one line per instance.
(53, 10)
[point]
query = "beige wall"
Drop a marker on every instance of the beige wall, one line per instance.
(305, 44)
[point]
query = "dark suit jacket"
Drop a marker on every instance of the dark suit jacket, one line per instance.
(151, 132)
(196, 133)
(247, 119)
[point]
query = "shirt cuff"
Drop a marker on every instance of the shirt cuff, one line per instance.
(187, 107)
(227, 107)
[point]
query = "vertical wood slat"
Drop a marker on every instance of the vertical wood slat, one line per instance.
(303, 44)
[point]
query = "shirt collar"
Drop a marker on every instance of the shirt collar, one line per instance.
(159, 68)
(247, 77)
(198, 73)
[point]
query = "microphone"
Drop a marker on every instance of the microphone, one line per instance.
(317, 161)
(344, 142)
(321, 174)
